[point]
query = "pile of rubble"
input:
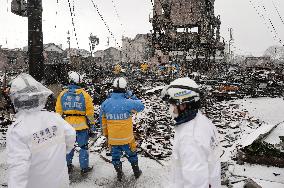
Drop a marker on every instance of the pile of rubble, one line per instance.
(154, 128)
(245, 83)
(231, 122)
(265, 146)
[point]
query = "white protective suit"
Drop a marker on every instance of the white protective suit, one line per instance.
(38, 141)
(37, 144)
(195, 158)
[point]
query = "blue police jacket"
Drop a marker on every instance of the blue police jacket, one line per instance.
(116, 118)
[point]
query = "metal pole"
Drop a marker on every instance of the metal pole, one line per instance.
(230, 42)
(35, 39)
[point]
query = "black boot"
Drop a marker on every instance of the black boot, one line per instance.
(118, 169)
(85, 171)
(136, 170)
(70, 168)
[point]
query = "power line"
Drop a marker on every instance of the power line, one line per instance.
(73, 8)
(108, 28)
(72, 18)
(102, 18)
(118, 17)
(56, 15)
(264, 19)
(278, 12)
(270, 21)
(265, 23)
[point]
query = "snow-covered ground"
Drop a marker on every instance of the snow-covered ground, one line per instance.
(103, 175)
(269, 110)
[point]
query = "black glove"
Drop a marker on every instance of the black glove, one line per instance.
(92, 134)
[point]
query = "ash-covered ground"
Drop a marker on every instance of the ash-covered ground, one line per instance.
(234, 119)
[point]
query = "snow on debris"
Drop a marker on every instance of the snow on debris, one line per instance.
(235, 120)
(267, 109)
(274, 137)
(250, 138)
(158, 88)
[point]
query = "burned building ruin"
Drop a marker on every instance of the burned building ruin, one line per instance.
(187, 31)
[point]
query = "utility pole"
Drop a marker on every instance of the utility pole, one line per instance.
(68, 39)
(94, 41)
(68, 42)
(33, 10)
(230, 42)
(108, 42)
(69, 50)
(35, 39)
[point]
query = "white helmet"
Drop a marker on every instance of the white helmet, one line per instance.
(181, 90)
(74, 77)
(26, 93)
(120, 83)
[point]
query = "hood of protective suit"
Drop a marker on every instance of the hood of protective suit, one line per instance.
(28, 94)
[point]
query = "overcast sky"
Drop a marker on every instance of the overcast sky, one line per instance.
(252, 32)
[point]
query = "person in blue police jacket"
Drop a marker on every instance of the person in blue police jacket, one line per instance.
(76, 106)
(116, 121)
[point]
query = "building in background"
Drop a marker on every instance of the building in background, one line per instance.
(108, 57)
(13, 60)
(77, 52)
(255, 63)
(50, 47)
(136, 50)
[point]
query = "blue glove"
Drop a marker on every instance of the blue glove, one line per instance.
(93, 128)
(128, 94)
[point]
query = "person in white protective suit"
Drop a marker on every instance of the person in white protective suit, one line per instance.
(38, 140)
(195, 157)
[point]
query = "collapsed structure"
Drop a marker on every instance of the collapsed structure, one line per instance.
(264, 146)
(187, 30)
